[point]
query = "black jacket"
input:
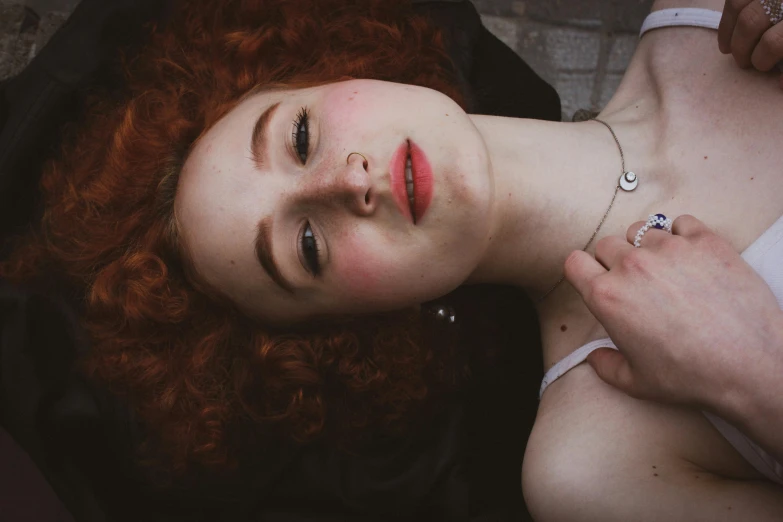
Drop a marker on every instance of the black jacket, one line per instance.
(463, 466)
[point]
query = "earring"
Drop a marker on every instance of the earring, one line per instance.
(442, 313)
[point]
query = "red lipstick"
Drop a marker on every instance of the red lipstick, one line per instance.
(422, 181)
(399, 191)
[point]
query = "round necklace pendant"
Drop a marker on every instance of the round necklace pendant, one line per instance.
(628, 181)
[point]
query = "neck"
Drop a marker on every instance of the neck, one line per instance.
(554, 181)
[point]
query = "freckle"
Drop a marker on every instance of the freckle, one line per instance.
(563, 328)
(751, 179)
(705, 157)
(655, 474)
(447, 115)
(233, 262)
(729, 508)
(655, 467)
(698, 477)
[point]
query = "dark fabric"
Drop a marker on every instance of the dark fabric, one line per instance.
(462, 464)
(49, 92)
(24, 493)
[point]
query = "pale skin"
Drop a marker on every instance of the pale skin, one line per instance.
(717, 339)
(512, 198)
(747, 33)
(730, 364)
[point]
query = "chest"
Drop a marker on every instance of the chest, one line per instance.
(722, 139)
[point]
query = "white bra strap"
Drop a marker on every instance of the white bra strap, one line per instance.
(571, 360)
(691, 16)
(681, 16)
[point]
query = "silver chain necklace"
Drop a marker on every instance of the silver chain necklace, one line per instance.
(628, 182)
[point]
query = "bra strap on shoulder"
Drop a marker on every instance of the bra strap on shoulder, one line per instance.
(691, 16)
(571, 360)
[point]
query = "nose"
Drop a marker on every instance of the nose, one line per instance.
(350, 185)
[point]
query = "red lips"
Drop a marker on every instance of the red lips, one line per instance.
(422, 181)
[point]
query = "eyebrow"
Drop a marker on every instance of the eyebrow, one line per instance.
(263, 248)
(259, 138)
(263, 241)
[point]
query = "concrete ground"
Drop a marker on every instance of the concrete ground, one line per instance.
(581, 47)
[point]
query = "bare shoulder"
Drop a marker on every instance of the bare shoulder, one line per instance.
(596, 454)
(681, 62)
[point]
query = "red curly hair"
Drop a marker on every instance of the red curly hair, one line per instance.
(192, 367)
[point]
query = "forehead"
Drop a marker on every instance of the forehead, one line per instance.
(220, 199)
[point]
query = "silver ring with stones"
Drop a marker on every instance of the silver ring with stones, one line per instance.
(774, 10)
(658, 221)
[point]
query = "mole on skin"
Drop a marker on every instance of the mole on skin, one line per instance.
(563, 328)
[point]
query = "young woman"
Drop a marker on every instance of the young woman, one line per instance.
(232, 219)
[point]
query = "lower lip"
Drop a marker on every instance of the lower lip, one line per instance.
(422, 181)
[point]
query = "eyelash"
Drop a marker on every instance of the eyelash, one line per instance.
(311, 250)
(302, 121)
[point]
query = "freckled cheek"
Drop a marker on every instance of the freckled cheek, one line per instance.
(346, 111)
(357, 273)
(363, 273)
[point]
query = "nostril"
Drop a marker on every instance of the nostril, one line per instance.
(367, 198)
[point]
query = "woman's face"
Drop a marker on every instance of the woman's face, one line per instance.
(275, 215)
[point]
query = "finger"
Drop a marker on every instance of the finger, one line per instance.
(630, 233)
(580, 268)
(689, 226)
(612, 367)
(609, 249)
(653, 236)
(684, 225)
(728, 21)
(769, 50)
(751, 24)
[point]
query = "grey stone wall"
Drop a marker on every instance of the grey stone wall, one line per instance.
(24, 31)
(581, 47)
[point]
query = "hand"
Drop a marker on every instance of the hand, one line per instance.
(692, 320)
(746, 32)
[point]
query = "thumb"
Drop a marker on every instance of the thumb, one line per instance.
(612, 367)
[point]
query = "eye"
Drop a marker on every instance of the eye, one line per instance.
(300, 137)
(310, 250)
